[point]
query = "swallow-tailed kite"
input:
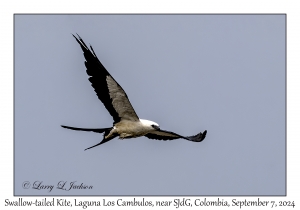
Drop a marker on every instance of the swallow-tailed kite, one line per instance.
(126, 122)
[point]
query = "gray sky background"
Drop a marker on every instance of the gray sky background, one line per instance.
(189, 73)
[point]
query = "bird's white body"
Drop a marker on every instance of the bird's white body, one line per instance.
(132, 129)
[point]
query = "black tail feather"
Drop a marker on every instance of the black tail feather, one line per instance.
(102, 142)
(97, 130)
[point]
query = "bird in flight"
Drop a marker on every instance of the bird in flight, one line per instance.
(126, 122)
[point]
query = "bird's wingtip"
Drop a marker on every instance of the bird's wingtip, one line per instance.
(197, 138)
(203, 135)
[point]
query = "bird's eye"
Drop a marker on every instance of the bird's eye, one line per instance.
(155, 127)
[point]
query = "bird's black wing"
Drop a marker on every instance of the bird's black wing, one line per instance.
(168, 135)
(107, 89)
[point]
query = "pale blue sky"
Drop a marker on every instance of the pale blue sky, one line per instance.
(188, 73)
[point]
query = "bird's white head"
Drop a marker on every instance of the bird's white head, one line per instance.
(149, 123)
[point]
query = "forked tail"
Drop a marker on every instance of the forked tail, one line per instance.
(97, 130)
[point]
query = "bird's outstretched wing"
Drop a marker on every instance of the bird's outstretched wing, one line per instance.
(168, 135)
(107, 89)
